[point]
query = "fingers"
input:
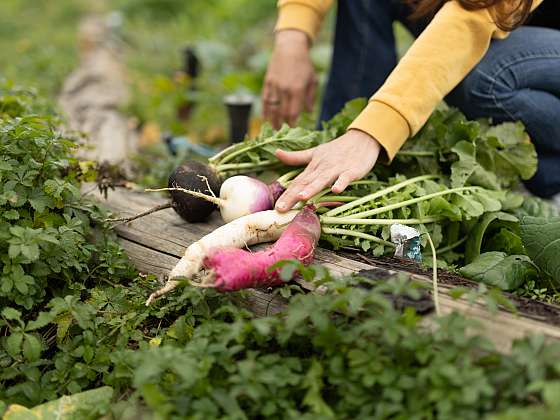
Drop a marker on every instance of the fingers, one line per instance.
(292, 194)
(310, 94)
(305, 186)
(343, 160)
(292, 104)
(318, 183)
(285, 98)
(300, 158)
(265, 94)
(282, 104)
(271, 104)
(343, 180)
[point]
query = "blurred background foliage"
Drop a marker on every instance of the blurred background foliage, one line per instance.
(232, 40)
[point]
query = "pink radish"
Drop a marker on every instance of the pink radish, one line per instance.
(231, 269)
(264, 226)
(244, 195)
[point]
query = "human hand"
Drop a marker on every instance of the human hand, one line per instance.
(341, 161)
(290, 81)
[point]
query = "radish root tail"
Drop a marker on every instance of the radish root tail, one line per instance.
(205, 179)
(169, 286)
(198, 194)
(124, 220)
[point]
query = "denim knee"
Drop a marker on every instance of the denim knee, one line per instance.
(482, 94)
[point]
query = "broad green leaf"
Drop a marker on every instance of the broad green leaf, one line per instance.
(471, 207)
(42, 320)
(19, 412)
(468, 170)
(11, 214)
(506, 241)
(32, 347)
(512, 200)
(314, 385)
(13, 344)
(338, 124)
(517, 155)
(287, 272)
(541, 237)
(462, 170)
(40, 201)
(490, 200)
(74, 406)
(30, 251)
(439, 206)
(537, 207)
(6, 284)
(476, 235)
(500, 270)
(11, 314)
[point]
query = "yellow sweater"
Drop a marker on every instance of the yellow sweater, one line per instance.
(448, 49)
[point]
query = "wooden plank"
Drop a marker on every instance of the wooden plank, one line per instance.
(155, 242)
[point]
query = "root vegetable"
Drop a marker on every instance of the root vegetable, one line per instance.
(265, 226)
(240, 195)
(194, 176)
(231, 269)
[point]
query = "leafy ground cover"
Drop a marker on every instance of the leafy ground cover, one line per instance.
(73, 319)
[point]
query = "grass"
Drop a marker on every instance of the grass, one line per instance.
(38, 41)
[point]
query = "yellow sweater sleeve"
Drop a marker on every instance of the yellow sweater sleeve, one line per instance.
(303, 15)
(448, 49)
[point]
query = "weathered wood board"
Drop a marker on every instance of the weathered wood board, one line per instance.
(94, 93)
(156, 242)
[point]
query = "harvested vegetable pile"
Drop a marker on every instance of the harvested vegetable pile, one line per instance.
(455, 180)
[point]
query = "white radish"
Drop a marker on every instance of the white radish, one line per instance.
(264, 226)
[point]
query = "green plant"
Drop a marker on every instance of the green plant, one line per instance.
(55, 249)
(347, 353)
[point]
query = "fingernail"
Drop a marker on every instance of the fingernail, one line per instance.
(280, 205)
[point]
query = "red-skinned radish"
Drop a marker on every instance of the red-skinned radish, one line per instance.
(265, 226)
(230, 269)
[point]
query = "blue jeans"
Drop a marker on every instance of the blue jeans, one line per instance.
(518, 78)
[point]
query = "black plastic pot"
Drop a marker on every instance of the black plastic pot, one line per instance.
(239, 111)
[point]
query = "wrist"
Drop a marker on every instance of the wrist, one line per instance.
(292, 38)
(365, 137)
